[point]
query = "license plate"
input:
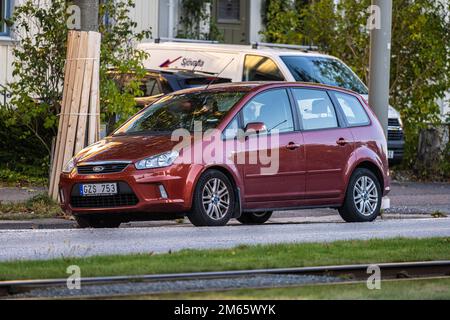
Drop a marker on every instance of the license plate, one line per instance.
(100, 189)
(391, 154)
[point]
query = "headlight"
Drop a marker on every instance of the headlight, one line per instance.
(69, 166)
(158, 161)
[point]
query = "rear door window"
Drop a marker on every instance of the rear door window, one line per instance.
(353, 110)
(316, 109)
(259, 68)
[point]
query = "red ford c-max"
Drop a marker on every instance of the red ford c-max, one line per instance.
(234, 151)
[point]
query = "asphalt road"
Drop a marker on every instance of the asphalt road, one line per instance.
(47, 244)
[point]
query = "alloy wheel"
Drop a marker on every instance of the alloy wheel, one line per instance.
(216, 199)
(365, 196)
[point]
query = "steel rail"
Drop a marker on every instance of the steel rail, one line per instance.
(389, 270)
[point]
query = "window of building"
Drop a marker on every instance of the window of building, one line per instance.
(272, 108)
(229, 10)
(353, 110)
(4, 14)
(258, 68)
(316, 109)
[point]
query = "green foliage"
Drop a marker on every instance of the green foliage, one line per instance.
(23, 159)
(38, 67)
(121, 69)
(195, 13)
(30, 121)
(420, 66)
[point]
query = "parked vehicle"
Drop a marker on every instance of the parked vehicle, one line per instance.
(159, 82)
(326, 144)
(269, 62)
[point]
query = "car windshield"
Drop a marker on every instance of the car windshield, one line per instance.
(183, 111)
(325, 71)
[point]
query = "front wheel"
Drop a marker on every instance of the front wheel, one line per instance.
(255, 217)
(214, 200)
(363, 198)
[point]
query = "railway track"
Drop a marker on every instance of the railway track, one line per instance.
(409, 270)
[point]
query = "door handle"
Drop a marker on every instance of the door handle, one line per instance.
(293, 146)
(342, 142)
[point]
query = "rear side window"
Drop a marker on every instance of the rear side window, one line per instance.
(151, 87)
(272, 108)
(258, 68)
(316, 109)
(353, 110)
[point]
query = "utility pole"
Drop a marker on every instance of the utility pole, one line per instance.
(89, 14)
(380, 61)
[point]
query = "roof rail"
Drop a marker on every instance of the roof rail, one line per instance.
(159, 40)
(256, 45)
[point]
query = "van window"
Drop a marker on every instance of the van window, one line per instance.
(353, 110)
(324, 70)
(258, 68)
(316, 109)
(273, 108)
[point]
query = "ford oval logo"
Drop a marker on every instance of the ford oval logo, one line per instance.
(98, 169)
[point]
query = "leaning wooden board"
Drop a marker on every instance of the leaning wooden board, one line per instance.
(79, 117)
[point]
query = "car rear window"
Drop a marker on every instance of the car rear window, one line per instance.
(353, 110)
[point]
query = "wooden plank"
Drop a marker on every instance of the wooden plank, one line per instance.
(72, 62)
(85, 95)
(94, 109)
(71, 51)
(76, 99)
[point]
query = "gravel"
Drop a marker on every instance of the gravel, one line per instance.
(142, 288)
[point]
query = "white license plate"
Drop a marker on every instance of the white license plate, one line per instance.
(100, 189)
(391, 154)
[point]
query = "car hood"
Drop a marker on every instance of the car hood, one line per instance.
(126, 148)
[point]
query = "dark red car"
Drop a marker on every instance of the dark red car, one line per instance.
(234, 151)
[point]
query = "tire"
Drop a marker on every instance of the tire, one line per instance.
(85, 222)
(214, 200)
(255, 217)
(363, 197)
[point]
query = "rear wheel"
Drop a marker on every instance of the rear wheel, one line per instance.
(85, 222)
(214, 200)
(363, 198)
(255, 217)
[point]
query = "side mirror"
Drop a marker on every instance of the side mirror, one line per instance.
(255, 128)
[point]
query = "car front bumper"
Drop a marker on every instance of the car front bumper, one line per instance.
(156, 191)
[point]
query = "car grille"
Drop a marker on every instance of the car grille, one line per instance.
(106, 168)
(394, 123)
(395, 135)
(119, 200)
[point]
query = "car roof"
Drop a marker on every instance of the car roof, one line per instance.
(234, 48)
(183, 73)
(257, 85)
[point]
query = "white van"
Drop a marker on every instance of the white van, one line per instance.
(266, 62)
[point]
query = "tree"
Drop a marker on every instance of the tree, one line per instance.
(420, 67)
(40, 26)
